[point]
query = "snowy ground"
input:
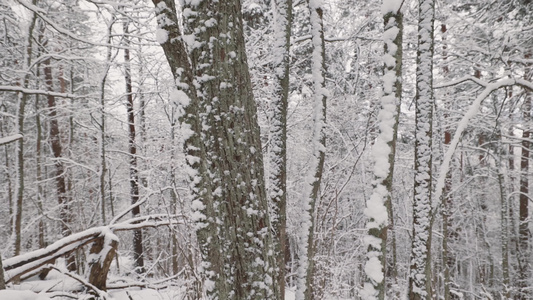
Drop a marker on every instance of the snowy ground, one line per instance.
(135, 294)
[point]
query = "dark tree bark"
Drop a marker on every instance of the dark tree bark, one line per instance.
(132, 146)
(103, 251)
(523, 226)
(65, 214)
(223, 147)
(22, 98)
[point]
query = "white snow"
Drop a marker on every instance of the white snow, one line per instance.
(390, 6)
(21, 295)
(179, 97)
(161, 35)
(9, 139)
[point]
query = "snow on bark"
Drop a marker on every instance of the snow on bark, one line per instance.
(383, 156)
(229, 196)
(316, 164)
(277, 186)
(419, 285)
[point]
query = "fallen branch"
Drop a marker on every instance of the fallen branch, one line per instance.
(98, 292)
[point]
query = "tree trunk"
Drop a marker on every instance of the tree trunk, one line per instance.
(448, 260)
(132, 146)
(101, 255)
(102, 127)
(60, 174)
(311, 193)
(379, 206)
(22, 97)
(2, 279)
(278, 134)
(523, 227)
(223, 147)
(420, 268)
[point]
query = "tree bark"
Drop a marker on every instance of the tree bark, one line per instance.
(420, 268)
(223, 147)
(57, 149)
(278, 134)
(2, 279)
(101, 255)
(379, 207)
(132, 146)
(311, 193)
(22, 98)
(523, 226)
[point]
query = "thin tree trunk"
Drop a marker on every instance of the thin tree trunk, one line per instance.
(447, 201)
(2, 279)
(504, 208)
(132, 146)
(103, 162)
(420, 267)
(60, 174)
(38, 171)
(22, 98)
(379, 207)
(523, 227)
(311, 193)
(278, 134)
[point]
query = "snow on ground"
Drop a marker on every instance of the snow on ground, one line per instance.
(21, 295)
(23, 292)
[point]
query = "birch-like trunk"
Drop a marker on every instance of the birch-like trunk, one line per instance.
(277, 187)
(420, 267)
(379, 206)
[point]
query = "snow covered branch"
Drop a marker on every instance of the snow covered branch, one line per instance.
(42, 15)
(9, 139)
(7, 88)
(20, 267)
(472, 111)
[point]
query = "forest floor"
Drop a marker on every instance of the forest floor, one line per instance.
(124, 294)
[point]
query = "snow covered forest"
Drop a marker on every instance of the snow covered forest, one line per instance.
(266, 149)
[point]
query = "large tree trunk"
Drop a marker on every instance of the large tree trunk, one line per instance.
(223, 147)
(278, 134)
(420, 268)
(379, 206)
